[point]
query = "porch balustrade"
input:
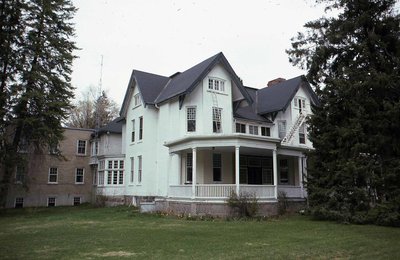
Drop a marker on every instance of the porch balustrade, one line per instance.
(221, 191)
(291, 191)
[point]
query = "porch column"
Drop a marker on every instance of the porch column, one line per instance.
(194, 170)
(275, 169)
(301, 175)
(237, 169)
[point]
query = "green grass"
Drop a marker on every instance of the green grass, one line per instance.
(95, 233)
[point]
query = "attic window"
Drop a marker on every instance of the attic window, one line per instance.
(137, 100)
(216, 84)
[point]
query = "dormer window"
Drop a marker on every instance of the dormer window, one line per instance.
(216, 84)
(300, 103)
(137, 100)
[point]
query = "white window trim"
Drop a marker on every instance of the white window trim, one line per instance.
(137, 101)
(132, 173)
(220, 120)
(83, 176)
(48, 177)
(140, 169)
(77, 148)
(213, 88)
(195, 118)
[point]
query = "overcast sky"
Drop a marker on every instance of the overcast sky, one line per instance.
(166, 36)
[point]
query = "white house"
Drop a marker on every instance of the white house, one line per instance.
(192, 138)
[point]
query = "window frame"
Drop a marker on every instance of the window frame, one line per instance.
(52, 174)
(74, 200)
(282, 125)
(79, 148)
(76, 176)
(217, 126)
(115, 172)
(132, 177)
(217, 168)
(253, 129)
(191, 119)
(19, 201)
(302, 134)
(284, 169)
(140, 169)
(265, 131)
(48, 201)
(20, 172)
(216, 84)
(137, 100)
(189, 168)
(140, 128)
(240, 128)
(133, 135)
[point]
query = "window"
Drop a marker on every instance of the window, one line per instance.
(191, 119)
(77, 201)
(101, 173)
(140, 128)
(51, 202)
(19, 202)
(115, 172)
(216, 84)
(283, 171)
(253, 129)
(267, 176)
(20, 174)
(81, 149)
(217, 163)
(137, 100)
(53, 175)
(79, 176)
(217, 120)
(95, 148)
(265, 131)
(139, 169)
(132, 169)
(302, 135)
(282, 129)
(299, 103)
(133, 131)
(189, 168)
(240, 128)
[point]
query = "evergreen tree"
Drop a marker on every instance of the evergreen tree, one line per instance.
(36, 89)
(353, 60)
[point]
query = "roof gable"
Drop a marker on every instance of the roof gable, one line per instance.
(277, 97)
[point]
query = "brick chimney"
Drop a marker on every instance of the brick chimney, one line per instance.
(275, 81)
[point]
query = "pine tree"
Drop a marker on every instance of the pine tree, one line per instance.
(353, 60)
(37, 91)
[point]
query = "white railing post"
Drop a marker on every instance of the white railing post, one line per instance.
(237, 169)
(275, 169)
(301, 175)
(194, 170)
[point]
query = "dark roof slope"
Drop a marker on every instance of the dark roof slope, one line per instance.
(114, 127)
(250, 112)
(150, 85)
(181, 82)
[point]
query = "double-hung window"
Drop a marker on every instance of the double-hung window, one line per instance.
(189, 168)
(216, 116)
(191, 119)
(299, 103)
(140, 128)
(302, 135)
(51, 202)
(139, 169)
(115, 172)
(53, 175)
(265, 131)
(240, 128)
(81, 147)
(137, 100)
(20, 174)
(79, 175)
(217, 164)
(282, 129)
(133, 131)
(253, 129)
(132, 170)
(283, 171)
(216, 84)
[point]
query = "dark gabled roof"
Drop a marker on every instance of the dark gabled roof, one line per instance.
(277, 97)
(114, 127)
(184, 83)
(249, 112)
(150, 85)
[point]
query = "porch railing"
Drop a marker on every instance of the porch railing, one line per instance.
(214, 190)
(261, 191)
(291, 191)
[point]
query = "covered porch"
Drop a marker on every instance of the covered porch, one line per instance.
(209, 170)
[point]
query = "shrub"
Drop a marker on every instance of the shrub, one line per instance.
(283, 203)
(243, 205)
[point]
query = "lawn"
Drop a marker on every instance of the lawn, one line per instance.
(94, 233)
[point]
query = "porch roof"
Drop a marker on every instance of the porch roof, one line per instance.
(241, 140)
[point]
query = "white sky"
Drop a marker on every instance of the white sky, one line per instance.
(165, 36)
